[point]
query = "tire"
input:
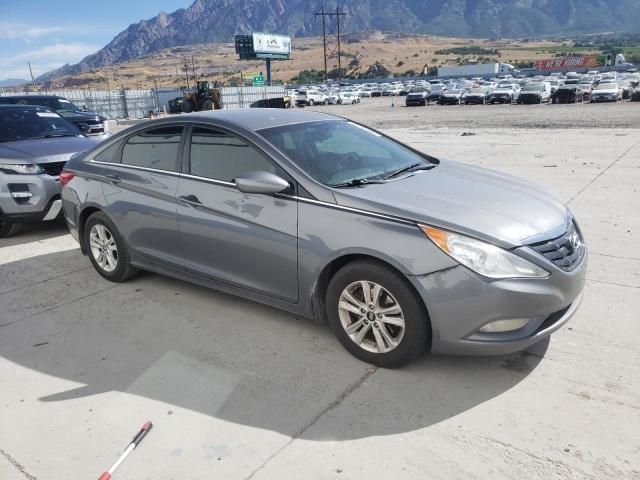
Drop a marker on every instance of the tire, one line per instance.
(187, 106)
(311, 102)
(8, 229)
(207, 105)
(123, 269)
(412, 339)
(326, 102)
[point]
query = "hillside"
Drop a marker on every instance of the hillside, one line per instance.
(207, 21)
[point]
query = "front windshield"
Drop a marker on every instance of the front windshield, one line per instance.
(336, 152)
(26, 124)
(533, 88)
(454, 92)
(606, 86)
(65, 105)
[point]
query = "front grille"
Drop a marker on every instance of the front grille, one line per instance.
(565, 251)
(53, 168)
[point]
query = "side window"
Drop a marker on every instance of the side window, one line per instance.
(220, 156)
(156, 148)
(108, 154)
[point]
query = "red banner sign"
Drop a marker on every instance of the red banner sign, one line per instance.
(564, 63)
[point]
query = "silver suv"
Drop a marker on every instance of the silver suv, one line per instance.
(35, 144)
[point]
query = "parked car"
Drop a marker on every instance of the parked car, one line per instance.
(477, 96)
(311, 97)
(505, 93)
(435, 91)
(344, 98)
(606, 92)
(97, 124)
(451, 97)
(400, 252)
(570, 92)
(376, 91)
(35, 143)
(535, 93)
(587, 88)
(417, 96)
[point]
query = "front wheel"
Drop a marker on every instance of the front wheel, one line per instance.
(326, 102)
(377, 315)
(107, 250)
(311, 102)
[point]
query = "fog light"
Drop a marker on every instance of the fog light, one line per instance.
(501, 326)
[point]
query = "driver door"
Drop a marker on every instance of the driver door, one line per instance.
(245, 240)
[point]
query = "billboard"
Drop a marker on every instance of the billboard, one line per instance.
(263, 45)
(269, 43)
(567, 63)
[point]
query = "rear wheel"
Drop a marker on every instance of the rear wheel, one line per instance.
(376, 314)
(207, 105)
(107, 250)
(8, 229)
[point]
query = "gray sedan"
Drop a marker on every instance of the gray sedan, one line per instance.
(398, 251)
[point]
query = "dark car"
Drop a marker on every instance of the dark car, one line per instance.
(451, 97)
(570, 92)
(417, 96)
(67, 109)
(436, 92)
(400, 252)
(476, 96)
(35, 144)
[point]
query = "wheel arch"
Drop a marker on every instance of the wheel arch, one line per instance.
(83, 216)
(319, 291)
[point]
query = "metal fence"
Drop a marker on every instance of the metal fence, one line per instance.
(234, 98)
(118, 104)
(112, 104)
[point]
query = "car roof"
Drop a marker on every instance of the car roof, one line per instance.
(13, 106)
(260, 118)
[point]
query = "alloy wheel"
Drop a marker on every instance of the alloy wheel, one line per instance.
(103, 247)
(371, 316)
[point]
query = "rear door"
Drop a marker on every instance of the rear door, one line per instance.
(140, 189)
(245, 240)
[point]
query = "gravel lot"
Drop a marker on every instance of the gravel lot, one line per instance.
(378, 113)
(241, 391)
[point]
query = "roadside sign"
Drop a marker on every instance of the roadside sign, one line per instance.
(258, 81)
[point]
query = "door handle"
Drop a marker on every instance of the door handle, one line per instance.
(113, 178)
(190, 200)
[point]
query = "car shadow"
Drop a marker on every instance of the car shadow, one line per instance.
(30, 232)
(226, 357)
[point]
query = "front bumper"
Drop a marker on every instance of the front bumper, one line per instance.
(460, 302)
(500, 99)
(44, 203)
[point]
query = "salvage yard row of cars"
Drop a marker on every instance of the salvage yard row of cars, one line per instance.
(591, 87)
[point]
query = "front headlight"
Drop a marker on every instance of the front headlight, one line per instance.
(27, 169)
(481, 257)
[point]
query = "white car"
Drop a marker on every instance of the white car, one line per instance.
(311, 97)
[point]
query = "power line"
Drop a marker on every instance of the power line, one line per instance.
(333, 36)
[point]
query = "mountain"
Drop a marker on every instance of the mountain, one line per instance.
(12, 82)
(218, 20)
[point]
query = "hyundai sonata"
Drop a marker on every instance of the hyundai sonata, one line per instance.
(399, 251)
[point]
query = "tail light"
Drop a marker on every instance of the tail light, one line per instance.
(66, 177)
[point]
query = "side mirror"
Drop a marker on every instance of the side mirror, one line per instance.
(86, 129)
(261, 182)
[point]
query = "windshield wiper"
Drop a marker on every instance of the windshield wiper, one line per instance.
(410, 168)
(357, 182)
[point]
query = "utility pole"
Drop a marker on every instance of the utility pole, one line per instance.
(33, 82)
(328, 50)
(193, 67)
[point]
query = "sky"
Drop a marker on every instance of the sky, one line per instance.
(54, 32)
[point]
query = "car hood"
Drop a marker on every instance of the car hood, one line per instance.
(606, 91)
(482, 203)
(81, 116)
(44, 150)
